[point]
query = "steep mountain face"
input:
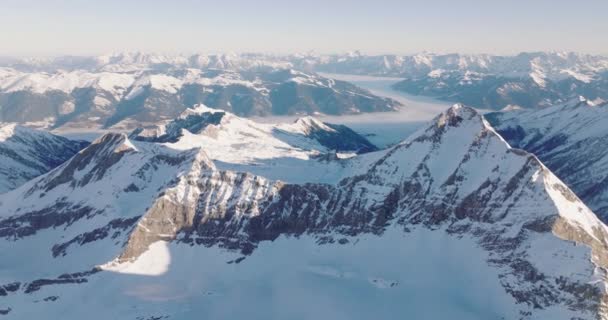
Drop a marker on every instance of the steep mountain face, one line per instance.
(127, 99)
(26, 154)
(332, 136)
(571, 139)
(467, 223)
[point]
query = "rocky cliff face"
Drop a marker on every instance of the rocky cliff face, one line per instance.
(571, 139)
(155, 216)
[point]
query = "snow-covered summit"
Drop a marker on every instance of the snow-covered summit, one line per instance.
(308, 124)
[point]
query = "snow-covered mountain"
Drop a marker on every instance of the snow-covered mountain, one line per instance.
(134, 86)
(145, 94)
(545, 65)
(279, 151)
(486, 81)
(450, 217)
(571, 139)
(26, 154)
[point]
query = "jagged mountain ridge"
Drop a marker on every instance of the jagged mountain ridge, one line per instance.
(26, 154)
(455, 181)
(571, 139)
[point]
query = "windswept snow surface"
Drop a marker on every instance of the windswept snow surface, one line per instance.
(293, 278)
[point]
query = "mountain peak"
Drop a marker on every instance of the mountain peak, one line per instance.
(114, 142)
(463, 111)
(456, 114)
(11, 130)
(90, 164)
(200, 109)
(308, 124)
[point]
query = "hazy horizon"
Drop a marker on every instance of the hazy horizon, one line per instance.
(63, 27)
(278, 54)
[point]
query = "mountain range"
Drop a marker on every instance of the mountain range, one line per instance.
(126, 99)
(527, 80)
(167, 222)
(124, 89)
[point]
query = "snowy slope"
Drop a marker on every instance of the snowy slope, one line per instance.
(572, 139)
(450, 222)
(278, 151)
(26, 154)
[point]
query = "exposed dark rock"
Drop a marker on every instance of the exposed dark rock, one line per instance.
(27, 224)
(113, 228)
(8, 288)
(73, 278)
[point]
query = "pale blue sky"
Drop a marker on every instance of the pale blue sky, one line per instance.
(52, 27)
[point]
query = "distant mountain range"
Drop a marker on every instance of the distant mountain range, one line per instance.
(526, 80)
(157, 225)
(138, 91)
(133, 88)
